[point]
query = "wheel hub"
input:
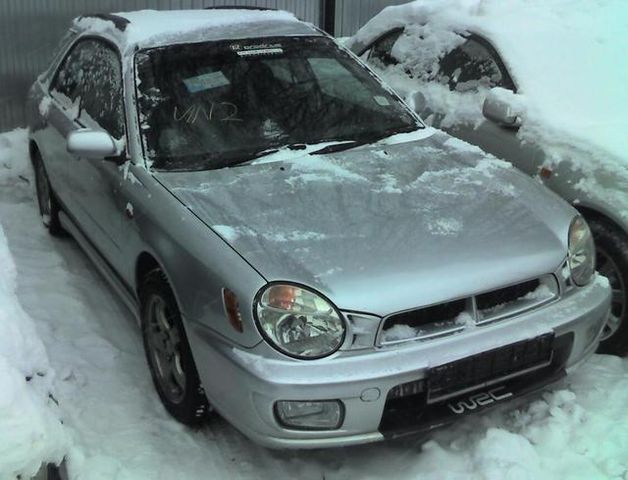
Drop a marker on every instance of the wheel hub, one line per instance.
(164, 344)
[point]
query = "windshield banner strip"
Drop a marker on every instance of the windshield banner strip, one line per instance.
(261, 51)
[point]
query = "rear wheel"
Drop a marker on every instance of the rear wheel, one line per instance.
(612, 261)
(168, 352)
(48, 205)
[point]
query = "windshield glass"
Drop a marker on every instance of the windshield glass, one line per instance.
(218, 104)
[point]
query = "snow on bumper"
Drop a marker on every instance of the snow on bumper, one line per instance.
(245, 386)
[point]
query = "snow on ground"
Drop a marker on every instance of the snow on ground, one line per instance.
(119, 430)
(30, 428)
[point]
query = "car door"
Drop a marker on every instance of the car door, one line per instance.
(88, 93)
(473, 67)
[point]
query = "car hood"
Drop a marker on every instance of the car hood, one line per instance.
(386, 227)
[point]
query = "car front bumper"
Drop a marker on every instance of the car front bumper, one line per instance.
(244, 385)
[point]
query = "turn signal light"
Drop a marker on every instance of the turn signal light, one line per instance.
(232, 309)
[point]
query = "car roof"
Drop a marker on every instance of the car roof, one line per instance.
(153, 28)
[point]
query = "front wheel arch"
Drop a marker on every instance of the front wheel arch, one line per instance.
(612, 242)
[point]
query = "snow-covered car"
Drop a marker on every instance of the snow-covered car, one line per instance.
(540, 84)
(304, 255)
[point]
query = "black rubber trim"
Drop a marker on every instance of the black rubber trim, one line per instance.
(241, 7)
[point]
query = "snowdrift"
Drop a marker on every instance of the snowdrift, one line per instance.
(31, 432)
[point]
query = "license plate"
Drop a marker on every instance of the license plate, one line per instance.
(484, 368)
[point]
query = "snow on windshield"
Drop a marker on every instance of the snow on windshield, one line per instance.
(218, 104)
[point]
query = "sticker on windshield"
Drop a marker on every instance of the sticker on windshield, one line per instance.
(207, 81)
(383, 101)
(257, 49)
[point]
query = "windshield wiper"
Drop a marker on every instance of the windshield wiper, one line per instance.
(343, 145)
(247, 159)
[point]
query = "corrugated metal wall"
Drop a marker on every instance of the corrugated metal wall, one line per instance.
(352, 14)
(30, 30)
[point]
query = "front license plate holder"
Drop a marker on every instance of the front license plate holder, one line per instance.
(489, 367)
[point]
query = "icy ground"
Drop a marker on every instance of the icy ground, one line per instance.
(119, 430)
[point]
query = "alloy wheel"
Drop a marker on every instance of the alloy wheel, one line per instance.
(164, 343)
(44, 198)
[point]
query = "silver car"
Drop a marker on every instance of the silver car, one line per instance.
(474, 61)
(303, 255)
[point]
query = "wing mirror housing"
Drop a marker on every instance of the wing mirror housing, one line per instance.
(503, 108)
(94, 144)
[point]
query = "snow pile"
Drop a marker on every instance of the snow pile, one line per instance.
(15, 168)
(30, 430)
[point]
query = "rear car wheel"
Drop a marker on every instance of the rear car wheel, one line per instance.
(168, 352)
(612, 261)
(48, 205)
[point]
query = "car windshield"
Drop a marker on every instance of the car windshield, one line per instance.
(218, 104)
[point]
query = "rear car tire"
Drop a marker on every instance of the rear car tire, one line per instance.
(168, 352)
(612, 261)
(48, 205)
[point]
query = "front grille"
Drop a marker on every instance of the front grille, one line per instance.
(454, 316)
(499, 297)
(419, 318)
(477, 370)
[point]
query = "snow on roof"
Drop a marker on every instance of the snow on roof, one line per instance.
(568, 59)
(147, 28)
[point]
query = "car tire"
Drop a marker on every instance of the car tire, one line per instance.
(168, 352)
(612, 262)
(48, 205)
(48, 472)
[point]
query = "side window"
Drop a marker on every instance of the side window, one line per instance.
(90, 78)
(381, 50)
(102, 96)
(69, 78)
(473, 64)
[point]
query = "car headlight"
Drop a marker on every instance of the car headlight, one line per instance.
(299, 322)
(581, 252)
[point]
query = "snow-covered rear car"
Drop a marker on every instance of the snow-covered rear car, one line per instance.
(304, 255)
(540, 84)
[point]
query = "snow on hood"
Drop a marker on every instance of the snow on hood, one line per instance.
(30, 429)
(155, 27)
(568, 59)
(411, 217)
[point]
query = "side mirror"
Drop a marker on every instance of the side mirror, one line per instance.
(417, 101)
(503, 107)
(91, 144)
